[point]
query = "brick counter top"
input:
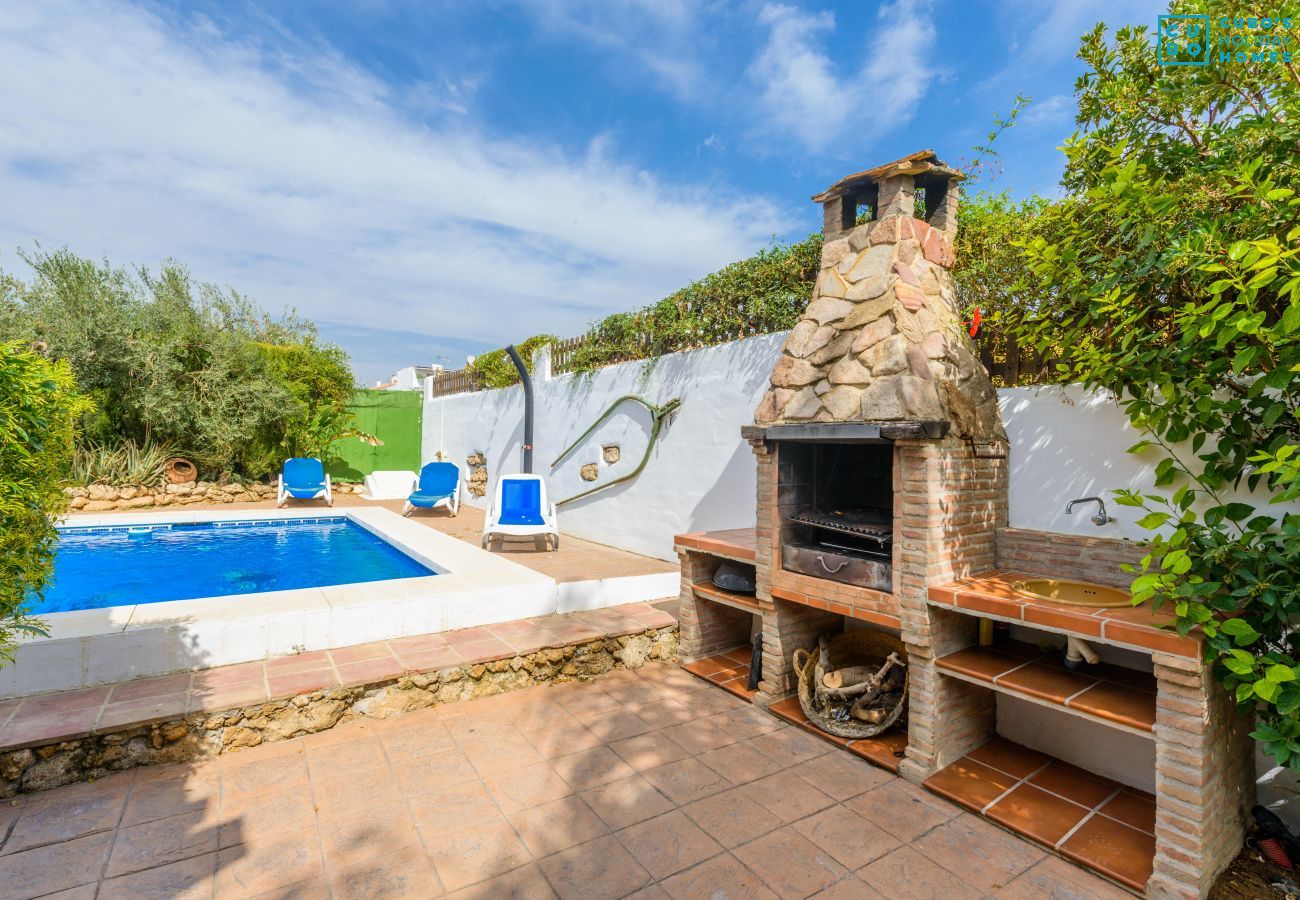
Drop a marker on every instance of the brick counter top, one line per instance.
(992, 594)
(734, 543)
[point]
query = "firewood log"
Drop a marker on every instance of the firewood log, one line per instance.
(849, 675)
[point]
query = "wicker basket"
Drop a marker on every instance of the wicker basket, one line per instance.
(859, 647)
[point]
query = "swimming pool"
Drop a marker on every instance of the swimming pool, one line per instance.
(118, 565)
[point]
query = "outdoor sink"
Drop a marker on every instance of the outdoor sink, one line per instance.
(1073, 593)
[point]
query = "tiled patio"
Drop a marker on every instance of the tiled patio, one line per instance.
(646, 783)
(46, 718)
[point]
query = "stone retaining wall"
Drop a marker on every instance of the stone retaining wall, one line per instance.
(203, 735)
(105, 497)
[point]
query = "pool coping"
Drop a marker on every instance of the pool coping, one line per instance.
(101, 646)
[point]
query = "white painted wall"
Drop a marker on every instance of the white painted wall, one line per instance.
(1069, 442)
(699, 477)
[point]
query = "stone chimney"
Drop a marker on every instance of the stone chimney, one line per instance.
(882, 340)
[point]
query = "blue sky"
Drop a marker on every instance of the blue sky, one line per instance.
(428, 179)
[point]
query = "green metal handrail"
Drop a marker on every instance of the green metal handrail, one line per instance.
(657, 416)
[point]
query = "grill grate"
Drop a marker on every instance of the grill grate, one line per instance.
(873, 524)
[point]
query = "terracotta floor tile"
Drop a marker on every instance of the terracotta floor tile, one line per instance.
(443, 812)
(188, 879)
(1010, 757)
(1117, 703)
(435, 771)
(626, 801)
(740, 763)
(686, 781)
(365, 834)
(346, 757)
(732, 818)
(478, 852)
(981, 854)
(646, 751)
(1132, 808)
(745, 721)
(790, 746)
(699, 736)
(905, 874)
(404, 873)
(48, 727)
(1037, 814)
(64, 818)
(969, 783)
(557, 825)
(174, 797)
(591, 768)
(492, 757)
(885, 750)
(146, 709)
(616, 726)
(665, 713)
(243, 870)
(596, 870)
(1074, 784)
(1046, 682)
(722, 878)
(304, 681)
(532, 785)
(54, 867)
(668, 844)
(903, 809)
(848, 837)
(552, 742)
(1056, 878)
(161, 842)
(261, 816)
(359, 652)
(705, 667)
(787, 796)
(234, 696)
(524, 883)
(476, 726)
(370, 671)
(140, 688)
(65, 701)
(298, 662)
(789, 864)
(983, 663)
(429, 660)
(841, 776)
(484, 651)
(264, 774)
(1116, 850)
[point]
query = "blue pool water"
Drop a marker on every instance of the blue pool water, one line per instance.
(122, 566)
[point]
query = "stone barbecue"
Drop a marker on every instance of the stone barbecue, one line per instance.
(882, 504)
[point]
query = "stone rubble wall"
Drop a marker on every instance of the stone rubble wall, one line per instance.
(203, 735)
(105, 497)
(882, 339)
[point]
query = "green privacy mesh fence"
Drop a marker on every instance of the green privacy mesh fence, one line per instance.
(393, 417)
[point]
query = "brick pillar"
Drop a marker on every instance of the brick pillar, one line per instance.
(948, 504)
(787, 627)
(1205, 779)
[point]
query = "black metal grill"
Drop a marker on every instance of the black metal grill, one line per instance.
(873, 524)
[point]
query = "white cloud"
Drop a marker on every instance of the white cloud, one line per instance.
(807, 94)
(295, 178)
(1055, 110)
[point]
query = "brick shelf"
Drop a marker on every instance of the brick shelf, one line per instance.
(993, 595)
(710, 591)
(729, 671)
(1110, 695)
(1098, 823)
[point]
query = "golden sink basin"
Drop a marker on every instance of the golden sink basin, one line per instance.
(1074, 593)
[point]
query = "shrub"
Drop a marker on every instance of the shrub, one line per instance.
(37, 410)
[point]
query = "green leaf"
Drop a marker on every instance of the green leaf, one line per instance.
(1279, 673)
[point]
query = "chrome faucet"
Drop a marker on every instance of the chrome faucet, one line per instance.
(1100, 519)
